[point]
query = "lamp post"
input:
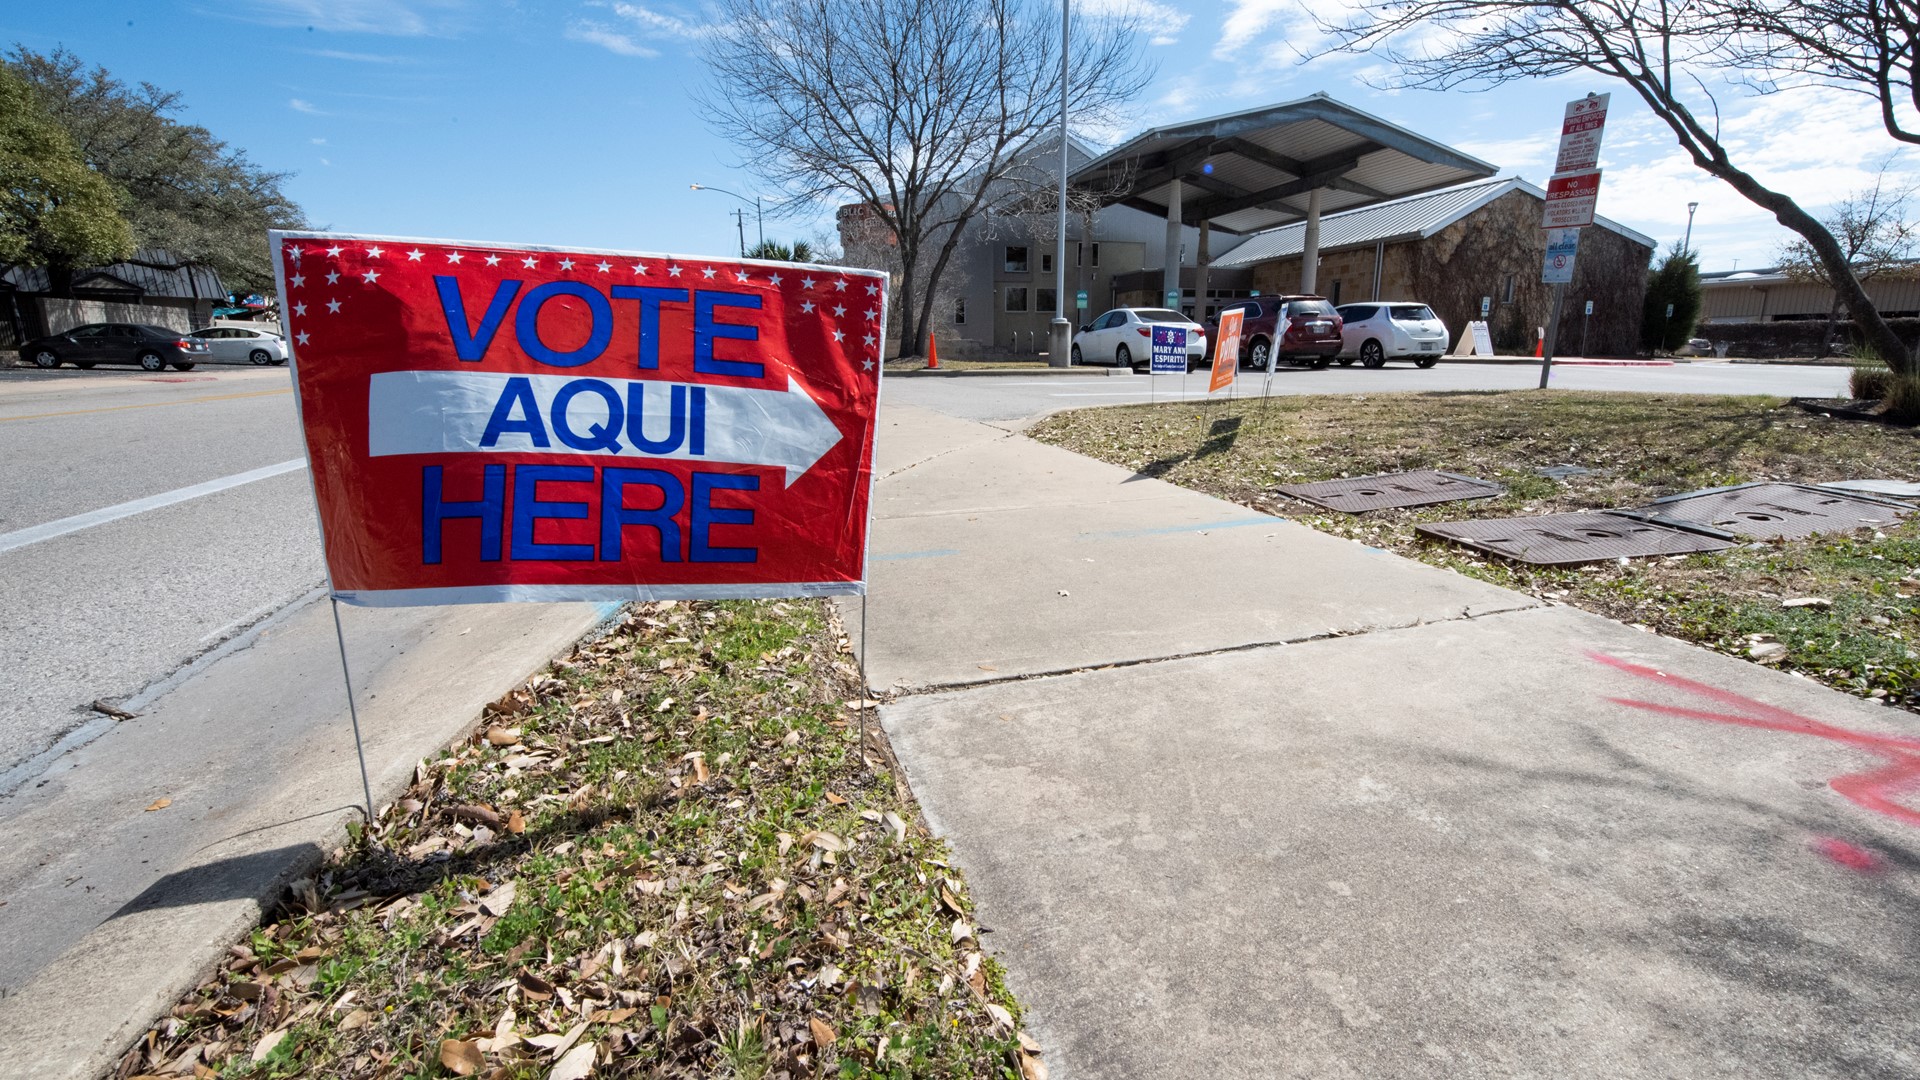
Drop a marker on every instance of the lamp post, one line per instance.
(759, 221)
(1060, 340)
(1687, 244)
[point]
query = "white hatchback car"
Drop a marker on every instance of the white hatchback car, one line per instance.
(236, 345)
(1124, 337)
(1378, 332)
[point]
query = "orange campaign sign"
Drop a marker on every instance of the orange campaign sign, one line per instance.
(1226, 350)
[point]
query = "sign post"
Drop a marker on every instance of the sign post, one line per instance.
(1585, 325)
(1572, 194)
(487, 423)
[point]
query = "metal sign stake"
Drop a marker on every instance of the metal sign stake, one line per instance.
(1553, 334)
(353, 711)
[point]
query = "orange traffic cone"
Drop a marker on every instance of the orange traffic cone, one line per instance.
(933, 354)
(1540, 343)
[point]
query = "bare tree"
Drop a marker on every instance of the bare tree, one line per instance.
(1864, 46)
(913, 110)
(1653, 46)
(1874, 233)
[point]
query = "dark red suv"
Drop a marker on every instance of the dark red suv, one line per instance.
(1311, 333)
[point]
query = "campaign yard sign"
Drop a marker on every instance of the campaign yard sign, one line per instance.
(1226, 350)
(1169, 350)
(489, 423)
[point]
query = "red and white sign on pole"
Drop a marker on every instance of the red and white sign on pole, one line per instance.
(1580, 131)
(1571, 198)
(490, 423)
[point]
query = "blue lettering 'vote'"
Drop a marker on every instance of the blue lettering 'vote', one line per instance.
(471, 340)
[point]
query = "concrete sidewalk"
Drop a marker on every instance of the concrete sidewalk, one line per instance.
(1240, 799)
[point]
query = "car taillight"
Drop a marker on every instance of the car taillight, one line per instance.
(184, 345)
(1144, 331)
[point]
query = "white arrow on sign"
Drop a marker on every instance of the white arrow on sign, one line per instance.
(439, 412)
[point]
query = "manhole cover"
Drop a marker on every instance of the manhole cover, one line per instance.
(1774, 511)
(1567, 539)
(1422, 488)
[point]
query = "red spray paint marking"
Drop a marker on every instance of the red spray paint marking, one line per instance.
(1874, 789)
(1848, 855)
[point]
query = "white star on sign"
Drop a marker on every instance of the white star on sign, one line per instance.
(673, 271)
(299, 309)
(708, 272)
(529, 262)
(808, 306)
(838, 336)
(639, 268)
(493, 260)
(299, 280)
(740, 276)
(373, 253)
(867, 364)
(566, 264)
(333, 307)
(869, 340)
(806, 283)
(873, 290)
(370, 276)
(301, 337)
(841, 285)
(334, 251)
(454, 256)
(839, 310)
(774, 280)
(871, 314)
(414, 255)
(293, 253)
(605, 266)
(333, 278)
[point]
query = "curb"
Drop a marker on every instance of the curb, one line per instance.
(1067, 372)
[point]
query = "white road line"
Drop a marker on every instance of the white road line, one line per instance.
(23, 537)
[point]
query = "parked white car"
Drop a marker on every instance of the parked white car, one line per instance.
(1376, 333)
(1124, 337)
(234, 345)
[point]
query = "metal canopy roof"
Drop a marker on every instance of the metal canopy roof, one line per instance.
(1264, 162)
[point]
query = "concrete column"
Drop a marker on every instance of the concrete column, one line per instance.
(1172, 261)
(1200, 275)
(1310, 249)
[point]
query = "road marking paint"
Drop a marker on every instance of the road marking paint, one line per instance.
(931, 553)
(146, 405)
(21, 538)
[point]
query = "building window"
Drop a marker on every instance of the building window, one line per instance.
(1334, 296)
(1016, 259)
(1506, 294)
(960, 311)
(1096, 254)
(1043, 300)
(1046, 262)
(1017, 298)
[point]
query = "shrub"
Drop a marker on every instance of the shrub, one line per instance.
(1901, 400)
(1869, 383)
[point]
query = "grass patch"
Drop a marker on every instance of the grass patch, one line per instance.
(1639, 446)
(663, 856)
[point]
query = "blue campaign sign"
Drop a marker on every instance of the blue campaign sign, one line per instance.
(1169, 350)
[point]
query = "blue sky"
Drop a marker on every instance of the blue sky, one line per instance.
(570, 122)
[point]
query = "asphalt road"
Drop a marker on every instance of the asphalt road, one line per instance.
(106, 610)
(1014, 397)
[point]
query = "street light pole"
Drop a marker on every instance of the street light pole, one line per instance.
(1687, 244)
(759, 221)
(1060, 340)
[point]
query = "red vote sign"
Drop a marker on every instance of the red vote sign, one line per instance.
(490, 423)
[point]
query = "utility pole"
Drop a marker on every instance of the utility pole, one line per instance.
(740, 224)
(1060, 337)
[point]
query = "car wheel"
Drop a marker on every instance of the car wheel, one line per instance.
(261, 357)
(1259, 354)
(1122, 356)
(1426, 361)
(1372, 355)
(1346, 361)
(1321, 362)
(46, 358)
(183, 367)
(1076, 355)
(152, 361)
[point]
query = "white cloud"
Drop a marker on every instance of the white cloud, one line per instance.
(659, 23)
(612, 40)
(308, 107)
(360, 57)
(1162, 22)
(318, 142)
(396, 17)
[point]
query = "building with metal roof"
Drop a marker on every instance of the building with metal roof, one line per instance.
(153, 286)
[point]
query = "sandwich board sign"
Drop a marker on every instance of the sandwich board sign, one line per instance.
(492, 422)
(1169, 350)
(1562, 246)
(1570, 200)
(1476, 341)
(1580, 131)
(1226, 349)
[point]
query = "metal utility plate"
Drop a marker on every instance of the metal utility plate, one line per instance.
(1903, 490)
(1774, 511)
(1570, 539)
(1422, 488)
